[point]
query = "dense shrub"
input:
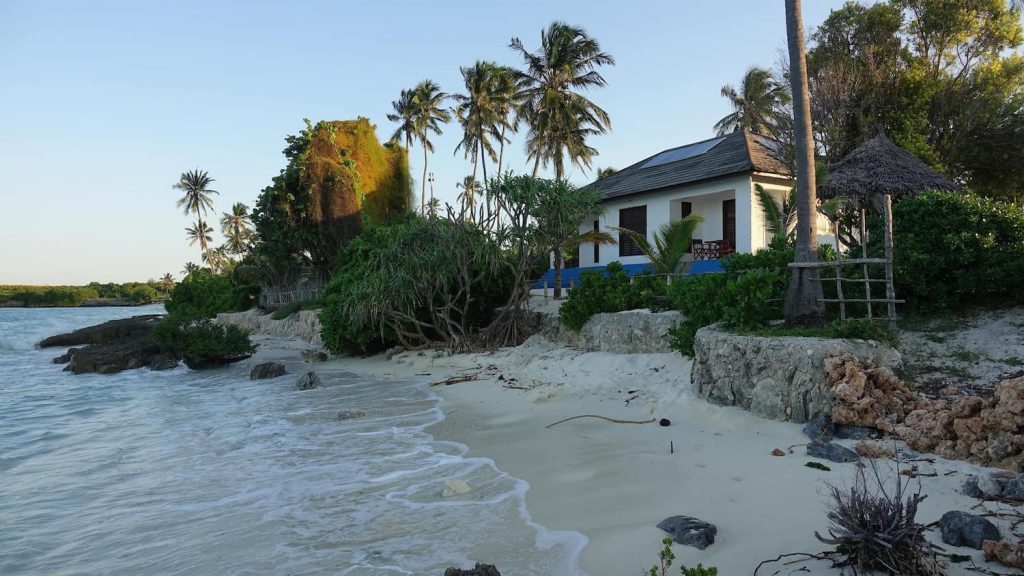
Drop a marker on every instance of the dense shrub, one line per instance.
(421, 282)
(203, 294)
(203, 343)
(610, 290)
(955, 248)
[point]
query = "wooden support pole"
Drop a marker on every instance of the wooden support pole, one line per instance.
(864, 251)
(890, 290)
(839, 293)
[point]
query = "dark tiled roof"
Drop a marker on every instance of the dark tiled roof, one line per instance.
(737, 153)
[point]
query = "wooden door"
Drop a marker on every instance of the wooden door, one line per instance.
(729, 222)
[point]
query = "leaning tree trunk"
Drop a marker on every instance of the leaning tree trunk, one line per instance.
(536, 165)
(803, 305)
(423, 192)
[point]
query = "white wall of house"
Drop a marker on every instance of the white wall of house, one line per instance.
(663, 205)
(780, 191)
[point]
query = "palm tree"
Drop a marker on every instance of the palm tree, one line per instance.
(196, 200)
(779, 218)
(478, 112)
(166, 283)
(200, 232)
(560, 118)
(803, 303)
(758, 104)
(237, 228)
(671, 243)
(190, 268)
(470, 189)
(420, 111)
(508, 99)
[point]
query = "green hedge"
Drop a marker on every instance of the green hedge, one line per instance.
(611, 291)
(955, 248)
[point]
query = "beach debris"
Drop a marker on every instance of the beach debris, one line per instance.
(266, 370)
(1006, 553)
(615, 420)
(393, 351)
(307, 381)
(963, 529)
(778, 452)
(870, 449)
(689, 531)
(671, 447)
(456, 379)
(664, 422)
(832, 452)
(313, 355)
(818, 466)
(480, 569)
(455, 487)
(351, 414)
(820, 429)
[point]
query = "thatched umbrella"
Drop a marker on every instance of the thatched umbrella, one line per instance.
(879, 167)
(873, 174)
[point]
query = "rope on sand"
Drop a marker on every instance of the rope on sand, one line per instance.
(615, 420)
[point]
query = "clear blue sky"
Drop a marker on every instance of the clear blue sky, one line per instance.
(103, 104)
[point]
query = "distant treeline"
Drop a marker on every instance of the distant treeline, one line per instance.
(93, 293)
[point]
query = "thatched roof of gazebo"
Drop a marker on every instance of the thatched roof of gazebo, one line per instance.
(879, 167)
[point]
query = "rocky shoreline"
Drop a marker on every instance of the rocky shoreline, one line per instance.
(113, 346)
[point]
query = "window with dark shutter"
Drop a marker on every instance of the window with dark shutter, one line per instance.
(597, 247)
(634, 219)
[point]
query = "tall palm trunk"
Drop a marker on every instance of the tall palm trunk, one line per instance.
(423, 192)
(483, 166)
(471, 193)
(536, 165)
(803, 305)
(203, 246)
(501, 150)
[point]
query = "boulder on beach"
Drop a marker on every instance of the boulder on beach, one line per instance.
(133, 328)
(963, 529)
(689, 531)
(479, 570)
(832, 452)
(266, 370)
(111, 347)
(308, 381)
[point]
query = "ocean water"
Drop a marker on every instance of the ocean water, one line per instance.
(184, 472)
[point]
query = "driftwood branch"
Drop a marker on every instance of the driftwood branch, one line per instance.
(615, 420)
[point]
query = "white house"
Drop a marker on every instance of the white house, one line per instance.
(713, 178)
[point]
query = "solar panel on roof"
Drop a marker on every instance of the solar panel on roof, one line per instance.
(682, 153)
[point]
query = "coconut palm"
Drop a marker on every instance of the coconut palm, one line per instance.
(201, 233)
(605, 172)
(420, 111)
(478, 112)
(803, 303)
(470, 189)
(190, 268)
(559, 118)
(196, 200)
(166, 283)
(779, 218)
(757, 105)
(672, 243)
(237, 228)
(508, 99)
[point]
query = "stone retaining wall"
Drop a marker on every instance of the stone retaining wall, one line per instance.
(781, 378)
(304, 324)
(631, 332)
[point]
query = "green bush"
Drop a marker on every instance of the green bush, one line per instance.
(409, 277)
(287, 310)
(665, 559)
(203, 294)
(202, 343)
(956, 248)
(611, 291)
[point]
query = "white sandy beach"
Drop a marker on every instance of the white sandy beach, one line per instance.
(614, 482)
